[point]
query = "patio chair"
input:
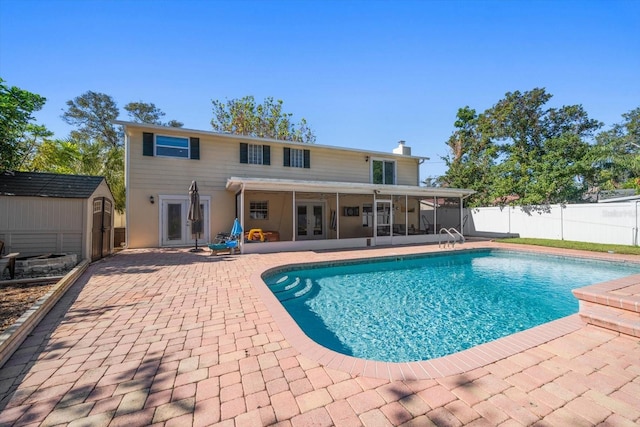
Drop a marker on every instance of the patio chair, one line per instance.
(227, 241)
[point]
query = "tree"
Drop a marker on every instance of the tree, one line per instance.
(65, 157)
(143, 112)
(521, 152)
(93, 114)
(18, 132)
(95, 147)
(538, 143)
(617, 154)
(472, 157)
(98, 147)
(267, 120)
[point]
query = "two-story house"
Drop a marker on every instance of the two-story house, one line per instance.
(301, 196)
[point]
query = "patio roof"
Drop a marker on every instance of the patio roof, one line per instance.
(236, 184)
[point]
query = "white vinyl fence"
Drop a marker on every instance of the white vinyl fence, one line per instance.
(614, 223)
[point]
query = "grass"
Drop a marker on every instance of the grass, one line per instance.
(566, 244)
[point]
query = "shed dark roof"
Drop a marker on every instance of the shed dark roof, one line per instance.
(48, 185)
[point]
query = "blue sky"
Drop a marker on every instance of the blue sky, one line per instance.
(364, 74)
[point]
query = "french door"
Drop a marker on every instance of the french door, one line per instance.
(175, 227)
(310, 221)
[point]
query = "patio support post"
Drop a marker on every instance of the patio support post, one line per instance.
(337, 216)
(435, 217)
(406, 215)
(375, 218)
(242, 218)
(461, 217)
(294, 216)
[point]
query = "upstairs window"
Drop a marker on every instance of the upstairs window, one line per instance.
(383, 172)
(172, 146)
(296, 158)
(255, 154)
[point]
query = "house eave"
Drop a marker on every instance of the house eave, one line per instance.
(256, 140)
(236, 184)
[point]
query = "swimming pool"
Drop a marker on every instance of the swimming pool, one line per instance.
(414, 308)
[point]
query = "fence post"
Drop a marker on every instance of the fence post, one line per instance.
(561, 221)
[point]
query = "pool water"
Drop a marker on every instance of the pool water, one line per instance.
(417, 308)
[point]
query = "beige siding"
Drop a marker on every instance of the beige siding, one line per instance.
(38, 225)
(220, 159)
(407, 172)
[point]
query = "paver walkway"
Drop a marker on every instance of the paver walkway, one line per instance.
(168, 337)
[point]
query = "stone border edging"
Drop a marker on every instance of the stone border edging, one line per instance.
(15, 335)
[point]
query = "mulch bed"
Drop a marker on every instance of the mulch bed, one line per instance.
(15, 299)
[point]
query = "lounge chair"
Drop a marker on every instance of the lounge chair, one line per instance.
(227, 241)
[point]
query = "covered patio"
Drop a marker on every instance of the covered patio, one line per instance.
(292, 215)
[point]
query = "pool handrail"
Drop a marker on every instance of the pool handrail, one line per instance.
(451, 235)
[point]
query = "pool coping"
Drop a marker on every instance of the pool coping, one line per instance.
(456, 363)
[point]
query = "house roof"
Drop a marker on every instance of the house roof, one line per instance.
(257, 140)
(39, 184)
(270, 184)
(620, 199)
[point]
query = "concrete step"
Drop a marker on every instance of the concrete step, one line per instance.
(615, 319)
(612, 305)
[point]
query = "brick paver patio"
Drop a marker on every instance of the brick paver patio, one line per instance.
(168, 337)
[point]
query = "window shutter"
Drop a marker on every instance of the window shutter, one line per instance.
(147, 144)
(244, 152)
(266, 155)
(287, 157)
(195, 148)
(307, 159)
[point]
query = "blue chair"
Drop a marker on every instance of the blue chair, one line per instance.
(227, 241)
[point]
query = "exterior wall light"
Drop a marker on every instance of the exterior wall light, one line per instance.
(152, 200)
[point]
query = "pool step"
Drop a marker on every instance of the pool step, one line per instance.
(613, 305)
(285, 284)
(615, 319)
(304, 288)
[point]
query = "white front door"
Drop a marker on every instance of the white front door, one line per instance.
(383, 221)
(310, 223)
(175, 228)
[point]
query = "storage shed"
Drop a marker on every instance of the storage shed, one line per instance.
(43, 213)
